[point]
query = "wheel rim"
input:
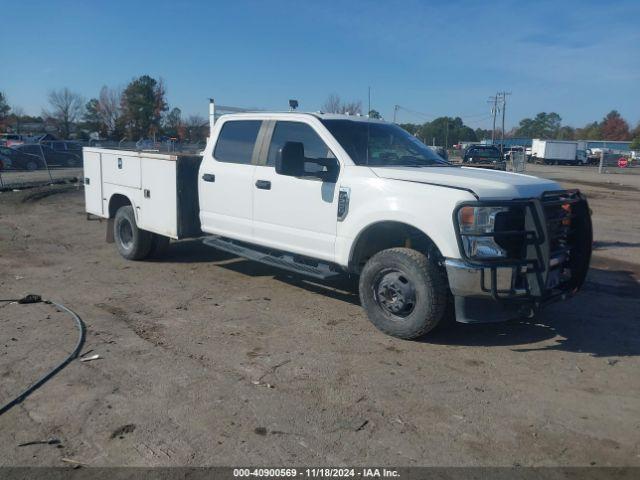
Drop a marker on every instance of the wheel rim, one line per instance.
(125, 234)
(394, 293)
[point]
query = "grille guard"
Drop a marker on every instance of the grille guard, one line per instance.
(535, 267)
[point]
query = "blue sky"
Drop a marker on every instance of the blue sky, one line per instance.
(578, 58)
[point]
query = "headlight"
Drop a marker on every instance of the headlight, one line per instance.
(480, 228)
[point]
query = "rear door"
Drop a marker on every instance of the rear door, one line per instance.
(93, 183)
(225, 183)
(295, 214)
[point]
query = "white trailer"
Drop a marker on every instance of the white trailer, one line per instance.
(554, 151)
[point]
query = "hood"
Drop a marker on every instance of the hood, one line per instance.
(486, 184)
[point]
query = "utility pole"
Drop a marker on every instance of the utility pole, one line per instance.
(494, 112)
(503, 96)
(446, 135)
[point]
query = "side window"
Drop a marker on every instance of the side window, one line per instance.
(314, 147)
(236, 141)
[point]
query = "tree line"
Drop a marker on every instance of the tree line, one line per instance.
(140, 110)
(549, 125)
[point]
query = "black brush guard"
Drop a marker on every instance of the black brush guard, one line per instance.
(557, 242)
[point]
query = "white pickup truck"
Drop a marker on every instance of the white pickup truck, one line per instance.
(326, 195)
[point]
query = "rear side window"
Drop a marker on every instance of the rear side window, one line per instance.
(236, 141)
(285, 132)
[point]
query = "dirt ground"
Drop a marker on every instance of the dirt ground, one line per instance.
(207, 359)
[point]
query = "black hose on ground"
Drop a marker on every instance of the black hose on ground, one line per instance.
(76, 351)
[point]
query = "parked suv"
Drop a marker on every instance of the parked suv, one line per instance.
(485, 156)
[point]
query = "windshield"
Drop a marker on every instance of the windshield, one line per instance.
(484, 153)
(381, 144)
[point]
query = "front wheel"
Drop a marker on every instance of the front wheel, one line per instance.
(404, 292)
(132, 242)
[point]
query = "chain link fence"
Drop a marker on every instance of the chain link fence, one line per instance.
(34, 164)
(517, 162)
(610, 162)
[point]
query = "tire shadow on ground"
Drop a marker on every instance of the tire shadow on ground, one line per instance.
(602, 320)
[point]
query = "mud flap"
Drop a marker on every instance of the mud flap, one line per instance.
(110, 238)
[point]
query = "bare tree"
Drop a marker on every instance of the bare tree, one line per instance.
(334, 104)
(353, 107)
(66, 109)
(109, 108)
(196, 128)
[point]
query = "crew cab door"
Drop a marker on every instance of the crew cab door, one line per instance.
(225, 185)
(295, 214)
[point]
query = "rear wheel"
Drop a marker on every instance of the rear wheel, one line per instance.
(404, 292)
(132, 242)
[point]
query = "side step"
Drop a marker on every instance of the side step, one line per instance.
(284, 261)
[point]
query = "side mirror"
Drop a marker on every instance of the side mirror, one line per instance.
(290, 160)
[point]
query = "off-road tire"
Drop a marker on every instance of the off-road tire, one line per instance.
(132, 242)
(429, 285)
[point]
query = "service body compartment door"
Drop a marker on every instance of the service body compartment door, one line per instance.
(93, 183)
(157, 209)
(121, 170)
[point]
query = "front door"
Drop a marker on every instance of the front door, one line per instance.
(295, 214)
(225, 184)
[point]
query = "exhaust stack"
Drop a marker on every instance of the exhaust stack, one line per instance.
(212, 116)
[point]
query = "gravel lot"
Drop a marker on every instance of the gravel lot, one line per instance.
(208, 359)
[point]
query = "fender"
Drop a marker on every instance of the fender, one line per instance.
(110, 192)
(424, 207)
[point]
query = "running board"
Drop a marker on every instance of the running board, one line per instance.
(284, 261)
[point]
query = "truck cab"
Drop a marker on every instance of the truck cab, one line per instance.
(326, 195)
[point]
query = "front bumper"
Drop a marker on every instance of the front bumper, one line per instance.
(498, 290)
(471, 286)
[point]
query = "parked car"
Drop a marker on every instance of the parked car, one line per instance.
(64, 146)
(53, 157)
(484, 156)
(324, 194)
(13, 158)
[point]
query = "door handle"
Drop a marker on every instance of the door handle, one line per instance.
(209, 177)
(263, 184)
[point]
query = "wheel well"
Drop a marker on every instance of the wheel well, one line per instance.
(115, 202)
(388, 234)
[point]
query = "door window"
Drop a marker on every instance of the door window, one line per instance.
(314, 147)
(236, 141)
